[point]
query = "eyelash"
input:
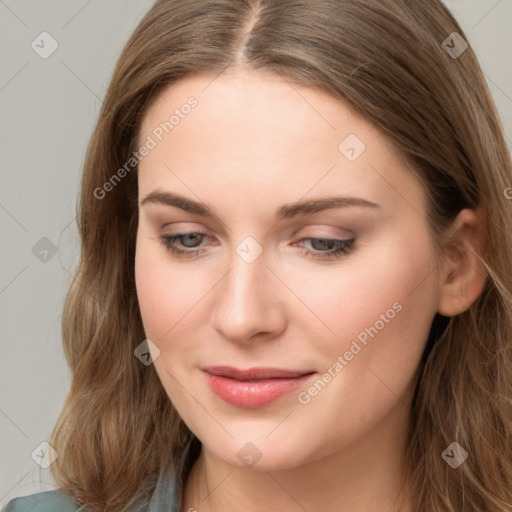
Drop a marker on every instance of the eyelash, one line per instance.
(342, 247)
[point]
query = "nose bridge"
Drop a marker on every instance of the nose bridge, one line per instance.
(245, 297)
(245, 284)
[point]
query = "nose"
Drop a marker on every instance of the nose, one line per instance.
(249, 302)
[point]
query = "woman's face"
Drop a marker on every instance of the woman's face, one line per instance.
(270, 278)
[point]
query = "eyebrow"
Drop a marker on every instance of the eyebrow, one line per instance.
(285, 211)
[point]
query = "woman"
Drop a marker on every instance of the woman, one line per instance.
(294, 287)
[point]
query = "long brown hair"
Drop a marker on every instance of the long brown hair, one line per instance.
(386, 58)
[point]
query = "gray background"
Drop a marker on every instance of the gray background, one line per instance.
(48, 108)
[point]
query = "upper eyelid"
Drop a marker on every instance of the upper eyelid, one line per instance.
(348, 235)
(293, 230)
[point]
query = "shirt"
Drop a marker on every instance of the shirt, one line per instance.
(162, 500)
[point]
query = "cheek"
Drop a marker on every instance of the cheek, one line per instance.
(377, 310)
(353, 295)
(156, 296)
(170, 295)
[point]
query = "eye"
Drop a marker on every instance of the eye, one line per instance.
(169, 241)
(328, 248)
(336, 248)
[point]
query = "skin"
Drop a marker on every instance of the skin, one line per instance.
(252, 144)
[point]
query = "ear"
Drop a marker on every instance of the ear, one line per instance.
(463, 274)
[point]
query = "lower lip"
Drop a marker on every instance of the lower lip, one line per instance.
(254, 393)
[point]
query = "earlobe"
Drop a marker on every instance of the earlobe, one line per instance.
(463, 274)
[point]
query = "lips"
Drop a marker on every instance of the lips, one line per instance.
(254, 373)
(254, 387)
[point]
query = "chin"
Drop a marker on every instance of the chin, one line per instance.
(262, 454)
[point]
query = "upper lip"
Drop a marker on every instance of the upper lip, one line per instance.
(254, 373)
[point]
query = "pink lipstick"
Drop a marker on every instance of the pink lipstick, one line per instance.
(254, 387)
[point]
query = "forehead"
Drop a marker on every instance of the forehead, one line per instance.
(255, 110)
(265, 134)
